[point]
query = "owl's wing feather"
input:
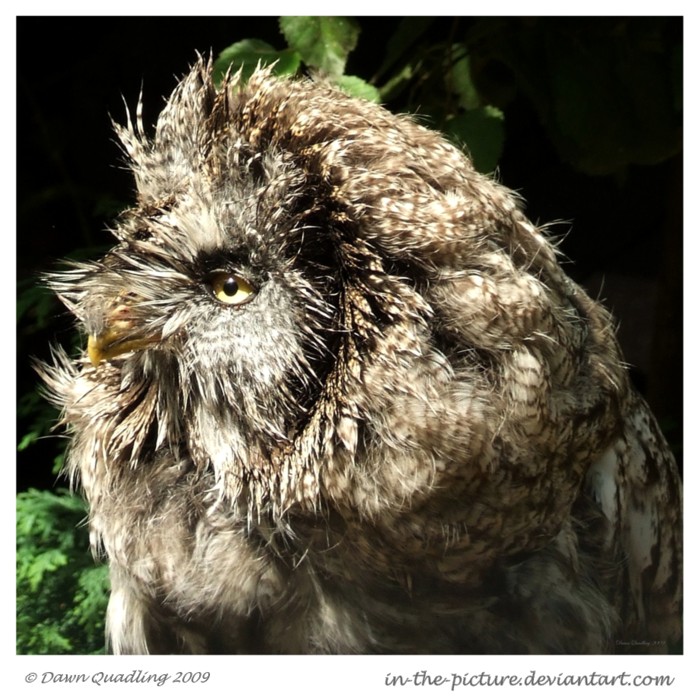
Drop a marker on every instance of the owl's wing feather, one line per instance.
(637, 486)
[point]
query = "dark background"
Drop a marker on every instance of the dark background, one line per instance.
(623, 230)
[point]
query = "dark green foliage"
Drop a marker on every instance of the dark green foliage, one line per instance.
(61, 592)
(608, 91)
(322, 42)
(433, 78)
(247, 54)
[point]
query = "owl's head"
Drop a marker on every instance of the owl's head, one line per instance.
(308, 287)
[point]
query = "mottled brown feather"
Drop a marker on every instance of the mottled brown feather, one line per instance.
(416, 436)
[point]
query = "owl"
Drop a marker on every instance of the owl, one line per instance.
(339, 396)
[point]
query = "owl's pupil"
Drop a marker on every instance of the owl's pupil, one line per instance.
(230, 287)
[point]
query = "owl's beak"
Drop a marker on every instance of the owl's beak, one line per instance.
(107, 346)
(117, 339)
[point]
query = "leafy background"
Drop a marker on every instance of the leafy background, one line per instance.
(583, 116)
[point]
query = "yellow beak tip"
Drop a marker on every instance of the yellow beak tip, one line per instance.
(94, 351)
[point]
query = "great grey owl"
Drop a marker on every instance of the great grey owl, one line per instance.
(340, 397)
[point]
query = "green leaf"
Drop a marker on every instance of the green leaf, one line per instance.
(58, 463)
(396, 83)
(92, 591)
(49, 640)
(249, 53)
(29, 439)
(39, 417)
(603, 88)
(462, 82)
(409, 30)
(42, 563)
(61, 593)
(356, 87)
(481, 132)
(322, 42)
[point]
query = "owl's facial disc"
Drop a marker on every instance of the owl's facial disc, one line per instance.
(119, 329)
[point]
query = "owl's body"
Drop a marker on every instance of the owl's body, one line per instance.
(340, 397)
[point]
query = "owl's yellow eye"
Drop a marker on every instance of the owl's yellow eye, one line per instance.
(230, 289)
